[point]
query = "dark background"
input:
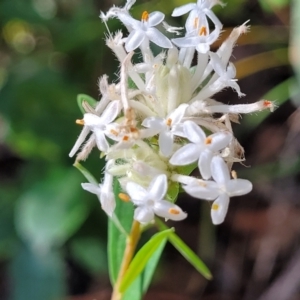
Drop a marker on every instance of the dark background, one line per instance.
(53, 234)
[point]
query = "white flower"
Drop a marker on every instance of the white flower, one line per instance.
(201, 148)
(98, 125)
(144, 29)
(220, 191)
(167, 128)
(201, 40)
(150, 201)
(104, 191)
(199, 11)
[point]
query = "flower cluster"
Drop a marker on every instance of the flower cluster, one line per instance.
(158, 123)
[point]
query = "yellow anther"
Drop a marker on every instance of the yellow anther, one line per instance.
(169, 122)
(145, 16)
(133, 129)
(208, 141)
(203, 31)
(124, 197)
(126, 138)
(215, 206)
(174, 211)
(80, 122)
(196, 20)
(234, 174)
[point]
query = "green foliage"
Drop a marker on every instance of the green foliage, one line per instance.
(186, 251)
(142, 257)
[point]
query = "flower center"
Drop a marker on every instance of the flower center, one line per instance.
(145, 16)
(150, 202)
(208, 141)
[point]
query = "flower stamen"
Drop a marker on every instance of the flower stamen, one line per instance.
(145, 16)
(80, 122)
(174, 211)
(215, 206)
(203, 31)
(124, 197)
(208, 141)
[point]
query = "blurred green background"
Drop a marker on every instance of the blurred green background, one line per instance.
(52, 233)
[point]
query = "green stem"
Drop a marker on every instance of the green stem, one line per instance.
(131, 244)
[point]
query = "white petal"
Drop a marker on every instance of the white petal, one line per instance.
(165, 142)
(101, 141)
(237, 187)
(92, 120)
(108, 203)
(193, 132)
(178, 114)
(185, 155)
(216, 63)
(92, 188)
(219, 170)
(155, 123)
(203, 47)
(208, 190)
(155, 18)
(179, 11)
(158, 187)
(204, 163)
(169, 210)
(219, 209)
(111, 112)
(219, 140)
(143, 214)
(158, 38)
(136, 192)
(186, 42)
(134, 40)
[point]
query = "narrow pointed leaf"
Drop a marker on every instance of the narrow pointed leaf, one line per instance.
(90, 178)
(186, 251)
(151, 266)
(142, 257)
(81, 98)
(116, 238)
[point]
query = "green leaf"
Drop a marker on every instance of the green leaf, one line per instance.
(116, 238)
(142, 257)
(186, 251)
(81, 98)
(134, 291)
(186, 170)
(151, 266)
(90, 178)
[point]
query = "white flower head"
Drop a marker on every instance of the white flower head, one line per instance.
(151, 201)
(219, 190)
(201, 148)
